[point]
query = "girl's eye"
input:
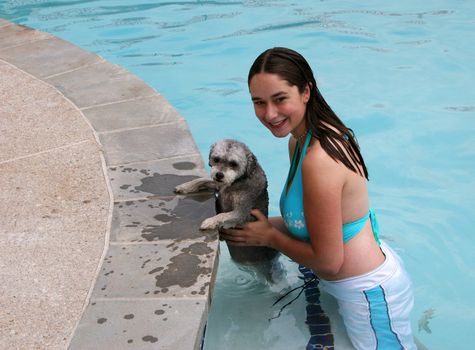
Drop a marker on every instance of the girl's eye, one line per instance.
(233, 164)
(280, 100)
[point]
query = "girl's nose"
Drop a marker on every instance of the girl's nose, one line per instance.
(271, 111)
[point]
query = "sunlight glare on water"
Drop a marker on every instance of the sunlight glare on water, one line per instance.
(400, 74)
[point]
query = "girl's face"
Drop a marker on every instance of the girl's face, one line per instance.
(279, 105)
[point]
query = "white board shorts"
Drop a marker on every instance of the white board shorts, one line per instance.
(376, 306)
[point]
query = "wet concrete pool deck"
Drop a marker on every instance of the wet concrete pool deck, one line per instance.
(97, 250)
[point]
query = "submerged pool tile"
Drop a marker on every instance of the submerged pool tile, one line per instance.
(156, 178)
(178, 269)
(161, 219)
(141, 324)
(324, 341)
(132, 114)
(148, 143)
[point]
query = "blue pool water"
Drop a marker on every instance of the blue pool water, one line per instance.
(399, 73)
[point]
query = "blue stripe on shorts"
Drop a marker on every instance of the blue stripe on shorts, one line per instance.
(386, 338)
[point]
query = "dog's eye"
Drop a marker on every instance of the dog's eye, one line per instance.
(216, 159)
(233, 164)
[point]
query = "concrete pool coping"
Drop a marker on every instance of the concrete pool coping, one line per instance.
(98, 252)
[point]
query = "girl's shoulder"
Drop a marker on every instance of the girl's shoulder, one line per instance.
(317, 162)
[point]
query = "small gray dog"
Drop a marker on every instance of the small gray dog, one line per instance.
(240, 185)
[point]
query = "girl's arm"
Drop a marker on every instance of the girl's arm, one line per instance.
(323, 180)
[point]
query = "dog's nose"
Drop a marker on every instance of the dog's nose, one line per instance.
(219, 176)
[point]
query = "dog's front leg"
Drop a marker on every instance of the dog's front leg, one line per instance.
(228, 219)
(196, 185)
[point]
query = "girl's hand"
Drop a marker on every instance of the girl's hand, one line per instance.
(254, 233)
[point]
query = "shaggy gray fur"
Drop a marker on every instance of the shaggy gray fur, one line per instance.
(240, 185)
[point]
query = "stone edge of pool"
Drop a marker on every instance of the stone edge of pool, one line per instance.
(106, 255)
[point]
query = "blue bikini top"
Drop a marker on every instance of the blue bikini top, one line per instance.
(291, 203)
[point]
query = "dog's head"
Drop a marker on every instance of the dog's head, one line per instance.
(230, 160)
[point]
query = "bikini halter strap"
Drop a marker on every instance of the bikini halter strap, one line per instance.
(307, 142)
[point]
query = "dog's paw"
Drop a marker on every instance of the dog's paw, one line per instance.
(182, 189)
(209, 224)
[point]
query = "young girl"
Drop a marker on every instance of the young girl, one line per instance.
(326, 223)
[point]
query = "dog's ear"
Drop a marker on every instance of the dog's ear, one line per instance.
(211, 148)
(251, 164)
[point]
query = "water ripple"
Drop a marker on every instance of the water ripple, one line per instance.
(102, 11)
(460, 108)
(377, 49)
(222, 92)
(393, 14)
(267, 28)
(124, 43)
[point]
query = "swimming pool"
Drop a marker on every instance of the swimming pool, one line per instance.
(399, 74)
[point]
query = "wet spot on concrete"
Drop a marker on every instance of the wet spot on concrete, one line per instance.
(198, 249)
(158, 269)
(159, 184)
(128, 170)
(204, 288)
(101, 320)
(184, 165)
(163, 217)
(159, 312)
(149, 338)
(130, 341)
(183, 271)
(152, 233)
(202, 197)
(177, 219)
(145, 263)
(124, 187)
(129, 316)
(145, 172)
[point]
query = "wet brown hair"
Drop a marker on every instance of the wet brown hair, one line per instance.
(324, 123)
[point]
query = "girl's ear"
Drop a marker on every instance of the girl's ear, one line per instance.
(307, 92)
